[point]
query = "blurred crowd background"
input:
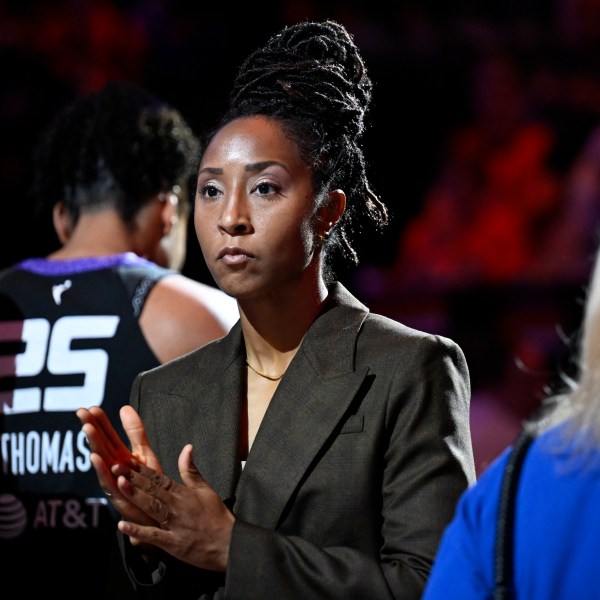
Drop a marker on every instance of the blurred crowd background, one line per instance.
(483, 140)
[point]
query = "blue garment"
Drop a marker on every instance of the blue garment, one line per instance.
(557, 529)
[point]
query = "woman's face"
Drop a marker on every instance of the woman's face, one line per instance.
(255, 210)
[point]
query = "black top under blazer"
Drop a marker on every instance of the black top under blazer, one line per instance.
(354, 473)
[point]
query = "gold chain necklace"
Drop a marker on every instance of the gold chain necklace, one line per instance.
(264, 374)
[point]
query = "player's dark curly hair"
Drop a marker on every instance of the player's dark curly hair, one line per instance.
(312, 78)
(118, 147)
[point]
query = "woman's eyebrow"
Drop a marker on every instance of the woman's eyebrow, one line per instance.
(211, 170)
(259, 166)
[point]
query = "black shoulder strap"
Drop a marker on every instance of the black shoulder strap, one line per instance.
(503, 551)
(139, 281)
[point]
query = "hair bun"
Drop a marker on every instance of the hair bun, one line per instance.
(326, 42)
(311, 67)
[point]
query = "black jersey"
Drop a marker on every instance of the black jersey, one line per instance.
(69, 338)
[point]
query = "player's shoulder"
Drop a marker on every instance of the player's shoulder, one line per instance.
(198, 295)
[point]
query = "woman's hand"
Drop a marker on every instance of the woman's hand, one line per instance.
(188, 521)
(108, 452)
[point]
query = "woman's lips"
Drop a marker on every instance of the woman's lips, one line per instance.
(234, 259)
(234, 256)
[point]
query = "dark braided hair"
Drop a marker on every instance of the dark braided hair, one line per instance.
(119, 146)
(312, 79)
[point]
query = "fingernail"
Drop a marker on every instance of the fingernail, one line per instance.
(120, 469)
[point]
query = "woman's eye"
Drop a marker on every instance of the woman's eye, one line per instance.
(209, 191)
(265, 188)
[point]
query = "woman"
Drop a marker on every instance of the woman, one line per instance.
(330, 444)
(553, 535)
(78, 325)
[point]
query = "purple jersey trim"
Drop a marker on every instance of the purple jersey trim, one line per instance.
(44, 266)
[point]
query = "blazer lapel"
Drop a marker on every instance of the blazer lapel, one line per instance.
(215, 429)
(309, 403)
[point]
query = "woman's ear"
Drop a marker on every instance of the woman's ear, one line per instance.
(337, 205)
(170, 211)
(172, 247)
(331, 211)
(62, 223)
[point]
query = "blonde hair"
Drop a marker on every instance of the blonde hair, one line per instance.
(580, 402)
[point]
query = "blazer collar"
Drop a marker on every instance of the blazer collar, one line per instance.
(311, 399)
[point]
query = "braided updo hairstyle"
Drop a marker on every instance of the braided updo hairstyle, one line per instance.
(312, 79)
(119, 146)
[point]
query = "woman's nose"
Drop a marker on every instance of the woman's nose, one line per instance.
(235, 218)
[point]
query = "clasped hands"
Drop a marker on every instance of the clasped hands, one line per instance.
(188, 521)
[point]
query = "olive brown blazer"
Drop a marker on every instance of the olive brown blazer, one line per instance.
(354, 473)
